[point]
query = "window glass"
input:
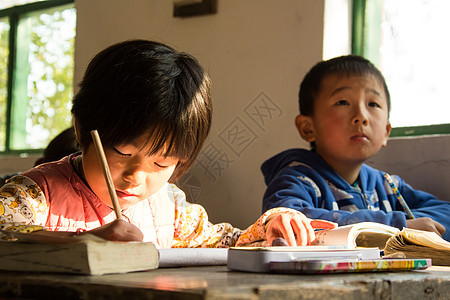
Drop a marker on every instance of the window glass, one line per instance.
(10, 3)
(4, 53)
(412, 54)
(43, 77)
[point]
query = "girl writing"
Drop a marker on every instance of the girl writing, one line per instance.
(152, 108)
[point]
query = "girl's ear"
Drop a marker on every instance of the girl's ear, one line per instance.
(305, 127)
(178, 172)
(75, 126)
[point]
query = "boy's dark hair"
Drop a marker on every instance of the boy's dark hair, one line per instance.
(343, 65)
(142, 87)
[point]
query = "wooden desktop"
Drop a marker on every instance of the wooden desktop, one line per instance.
(217, 282)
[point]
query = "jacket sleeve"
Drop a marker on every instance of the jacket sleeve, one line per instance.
(193, 229)
(22, 205)
(423, 204)
(309, 194)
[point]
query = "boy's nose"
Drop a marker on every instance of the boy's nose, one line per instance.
(358, 120)
(360, 117)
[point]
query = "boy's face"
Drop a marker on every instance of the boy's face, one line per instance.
(350, 120)
(135, 175)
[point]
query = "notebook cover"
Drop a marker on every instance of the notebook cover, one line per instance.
(348, 266)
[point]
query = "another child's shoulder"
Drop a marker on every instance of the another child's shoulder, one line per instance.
(296, 159)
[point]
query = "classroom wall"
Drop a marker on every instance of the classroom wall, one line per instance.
(256, 52)
(424, 162)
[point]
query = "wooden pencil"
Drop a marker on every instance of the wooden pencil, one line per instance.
(106, 173)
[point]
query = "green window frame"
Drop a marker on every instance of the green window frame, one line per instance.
(366, 42)
(13, 86)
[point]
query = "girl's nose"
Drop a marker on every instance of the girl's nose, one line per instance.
(133, 175)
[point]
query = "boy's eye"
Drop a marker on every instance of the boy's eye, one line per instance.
(374, 104)
(342, 102)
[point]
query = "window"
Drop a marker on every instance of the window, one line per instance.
(407, 41)
(36, 47)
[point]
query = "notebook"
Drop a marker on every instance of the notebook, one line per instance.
(258, 259)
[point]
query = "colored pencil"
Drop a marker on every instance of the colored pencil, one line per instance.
(399, 196)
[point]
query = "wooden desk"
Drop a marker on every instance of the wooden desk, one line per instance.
(217, 282)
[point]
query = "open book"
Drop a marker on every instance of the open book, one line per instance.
(87, 254)
(419, 244)
(412, 243)
(365, 234)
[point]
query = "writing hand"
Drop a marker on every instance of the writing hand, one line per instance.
(118, 230)
(295, 228)
(426, 224)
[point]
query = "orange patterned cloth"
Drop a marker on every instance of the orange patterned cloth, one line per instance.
(53, 197)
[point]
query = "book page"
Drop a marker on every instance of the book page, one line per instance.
(372, 239)
(87, 256)
(425, 238)
(399, 243)
(336, 236)
(183, 257)
(292, 248)
(347, 235)
(37, 237)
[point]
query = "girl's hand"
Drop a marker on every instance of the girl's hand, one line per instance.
(118, 230)
(295, 228)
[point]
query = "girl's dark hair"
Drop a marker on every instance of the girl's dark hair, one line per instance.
(141, 87)
(343, 65)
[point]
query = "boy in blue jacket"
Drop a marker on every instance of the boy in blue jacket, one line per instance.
(344, 115)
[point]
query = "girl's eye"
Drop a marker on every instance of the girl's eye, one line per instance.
(342, 102)
(161, 166)
(120, 153)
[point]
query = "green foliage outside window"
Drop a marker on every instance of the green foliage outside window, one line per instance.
(41, 76)
(4, 52)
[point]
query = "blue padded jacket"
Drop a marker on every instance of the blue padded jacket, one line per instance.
(300, 179)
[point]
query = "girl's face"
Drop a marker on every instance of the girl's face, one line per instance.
(135, 175)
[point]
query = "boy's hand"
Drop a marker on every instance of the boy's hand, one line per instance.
(426, 224)
(118, 230)
(295, 228)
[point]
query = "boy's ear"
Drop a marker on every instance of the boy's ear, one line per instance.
(388, 132)
(305, 127)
